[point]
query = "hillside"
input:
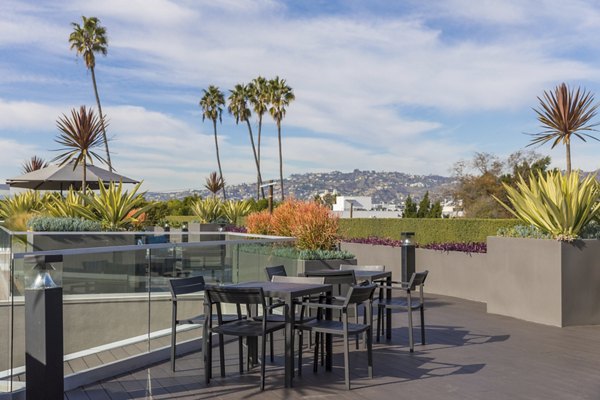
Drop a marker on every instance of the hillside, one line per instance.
(383, 187)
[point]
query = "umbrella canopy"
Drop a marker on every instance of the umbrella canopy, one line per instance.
(61, 177)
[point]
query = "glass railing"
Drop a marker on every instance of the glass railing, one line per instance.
(116, 299)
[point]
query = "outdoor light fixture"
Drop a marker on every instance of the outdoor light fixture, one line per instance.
(43, 279)
(407, 238)
(407, 266)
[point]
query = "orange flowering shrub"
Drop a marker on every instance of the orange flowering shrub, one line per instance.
(313, 225)
(259, 223)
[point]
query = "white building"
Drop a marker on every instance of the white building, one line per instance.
(356, 203)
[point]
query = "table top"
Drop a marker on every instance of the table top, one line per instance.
(285, 289)
(359, 273)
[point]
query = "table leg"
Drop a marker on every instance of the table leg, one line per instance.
(328, 337)
(388, 311)
(289, 342)
(207, 346)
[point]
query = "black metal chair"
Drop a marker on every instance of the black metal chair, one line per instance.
(179, 287)
(241, 327)
(405, 303)
(276, 270)
(356, 295)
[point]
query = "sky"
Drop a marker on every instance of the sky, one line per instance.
(411, 86)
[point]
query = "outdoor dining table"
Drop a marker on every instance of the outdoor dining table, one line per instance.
(372, 276)
(288, 292)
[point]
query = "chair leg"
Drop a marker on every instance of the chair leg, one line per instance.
(410, 330)
(271, 347)
(173, 346)
(222, 354)
(316, 358)
(241, 355)
(370, 351)
(422, 325)
(263, 351)
(322, 349)
(347, 361)
(300, 344)
(356, 320)
(379, 314)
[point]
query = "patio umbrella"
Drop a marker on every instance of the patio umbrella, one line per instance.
(61, 177)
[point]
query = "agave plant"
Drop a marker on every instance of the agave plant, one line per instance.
(27, 202)
(208, 210)
(115, 208)
(233, 210)
(72, 205)
(558, 204)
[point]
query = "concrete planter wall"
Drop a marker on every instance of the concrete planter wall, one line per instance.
(545, 281)
(454, 273)
(451, 273)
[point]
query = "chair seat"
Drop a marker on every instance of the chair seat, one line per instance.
(247, 328)
(401, 303)
(199, 319)
(281, 318)
(332, 327)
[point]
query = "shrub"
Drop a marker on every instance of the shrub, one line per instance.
(313, 225)
(473, 247)
(234, 210)
(557, 204)
(524, 231)
(208, 210)
(63, 224)
(294, 253)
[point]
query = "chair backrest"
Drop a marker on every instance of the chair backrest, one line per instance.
(346, 267)
(186, 285)
(417, 279)
(360, 293)
(299, 279)
(235, 295)
(336, 277)
(277, 270)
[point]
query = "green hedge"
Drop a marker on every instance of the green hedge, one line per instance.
(427, 230)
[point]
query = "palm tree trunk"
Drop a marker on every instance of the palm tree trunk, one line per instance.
(568, 147)
(258, 149)
(259, 180)
(280, 158)
(84, 180)
(101, 120)
(219, 158)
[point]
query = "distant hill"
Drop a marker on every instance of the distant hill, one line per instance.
(383, 187)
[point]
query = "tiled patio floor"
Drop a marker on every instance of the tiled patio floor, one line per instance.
(469, 355)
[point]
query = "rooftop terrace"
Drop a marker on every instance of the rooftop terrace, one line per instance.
(469, 355)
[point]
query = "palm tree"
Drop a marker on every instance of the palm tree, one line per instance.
(280, 96)
(258, 91)
(564, 113)
(212, 108)
(214, 183)
(88, 39)
(238, 107)
(80, 135)
(33, 164)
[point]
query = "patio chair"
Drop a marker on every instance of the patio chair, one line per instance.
(180, 287)
(276, 270)
(407, 303)
(356, 295)
(241, 327)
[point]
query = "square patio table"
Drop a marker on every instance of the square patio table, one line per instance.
(288, 292)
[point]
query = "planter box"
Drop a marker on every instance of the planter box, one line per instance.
(451, 273)
(454, 273)
(545, 281)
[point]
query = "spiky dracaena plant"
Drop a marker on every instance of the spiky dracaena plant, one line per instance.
(208, 210)
(115, 208)
(234, 210)
(72, 205)
(558, 204)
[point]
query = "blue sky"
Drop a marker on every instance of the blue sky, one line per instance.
(410, 86)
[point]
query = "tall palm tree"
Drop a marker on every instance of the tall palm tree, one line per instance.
(33, 164)
(80, 134)
(258, 91)
(280, 96)
(88, 39)
(212, 108)
(238, 107)
(563, 113)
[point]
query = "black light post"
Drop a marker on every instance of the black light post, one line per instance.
(44, 368)
(408, 255)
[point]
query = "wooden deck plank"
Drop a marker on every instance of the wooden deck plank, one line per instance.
(469, 355)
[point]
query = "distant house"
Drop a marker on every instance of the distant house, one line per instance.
(356, 203)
